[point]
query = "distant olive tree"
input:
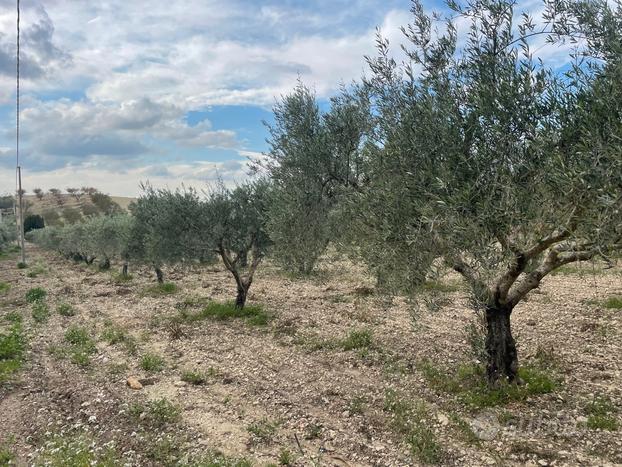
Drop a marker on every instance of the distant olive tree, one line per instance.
(75, 192)
(57, 195)
(312, 156)
(236, 220)
(169, 228)
(491, 161)
(39, 193)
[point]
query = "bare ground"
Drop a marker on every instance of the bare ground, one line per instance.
(288, 387)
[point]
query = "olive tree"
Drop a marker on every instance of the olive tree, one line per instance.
(312, 156)
(237, 230)
(8, 233)
(486, 158)
(168, 228)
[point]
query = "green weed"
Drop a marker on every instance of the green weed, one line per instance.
(152, 363)
(35, 294)
(64, 309)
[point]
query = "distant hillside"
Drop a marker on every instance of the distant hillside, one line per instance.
(62, 208)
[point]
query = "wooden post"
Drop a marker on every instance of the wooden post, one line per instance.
(20, 207)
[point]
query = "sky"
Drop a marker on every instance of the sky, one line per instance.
(118, 92)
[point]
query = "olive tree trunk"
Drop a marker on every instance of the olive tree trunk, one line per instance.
(124, 269)
(240, 299)
(159, 274)
(500, 347)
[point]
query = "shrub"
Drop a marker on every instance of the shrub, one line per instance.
(64, 309)
(40, 311)
(158, 412)
(152, 363)
(357, 339)
(4, 287)
(35, 294)
(193, 377)
(12, 347)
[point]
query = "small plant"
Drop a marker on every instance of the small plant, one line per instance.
(13, 317)
(158, 412)
(601, 414)
(357, 405)
(40, 311)
(412, 421)
(613, 303)
(76, 450)
(114, 335)
(165, 288)
(35, 294)
(252, 314)
(357, 339)
(286, 457)
(12, 347)
(152, 363)
(193, 377)
(65, 309)
(81, 346)
(175, 328)
(21, 265)
(263, 431)
(4, 288)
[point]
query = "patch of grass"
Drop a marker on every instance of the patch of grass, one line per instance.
(152, 363)
(252, 314)
(6, 455)
(35, 294)
(21, 265)
(81, 346)
(12, 347)
(263, 431)
(357, 405)
(36, 270)
(601, 414)
(40, 311)
(286, 457)
(357, 339)
(613, 303)
(75, 451)
(469, 383)
(114, 334)
(166, 288)
(4, 288)
(65, 309)
(120, 278)
(165, 452)
(158, 413)
(193, 377)
(412, 421)
(13, 317)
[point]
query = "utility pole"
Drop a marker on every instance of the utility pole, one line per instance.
(20, 193)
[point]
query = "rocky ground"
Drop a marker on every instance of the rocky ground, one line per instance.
(326, 372)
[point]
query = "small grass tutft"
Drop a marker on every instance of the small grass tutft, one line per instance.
(412, 421)
(166, 288)
(40, 311)
(4, 288)
(65, 309)
(601, 414)
(35, 294)
(81, 346)
(152, 363)
(158, 413)
(12, 347)
(613, 303)
(253, 314)
(357, 339)
(263, 431)
(193, 377)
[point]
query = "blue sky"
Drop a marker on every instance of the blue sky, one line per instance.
(117, 92)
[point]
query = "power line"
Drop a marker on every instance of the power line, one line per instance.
(18, 169)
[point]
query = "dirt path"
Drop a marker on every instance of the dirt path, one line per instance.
(297, 386)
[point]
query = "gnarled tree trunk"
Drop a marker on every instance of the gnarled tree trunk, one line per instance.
(159, 274)
(500, 347)
(240, 299)
(124, 270)
(104, 265)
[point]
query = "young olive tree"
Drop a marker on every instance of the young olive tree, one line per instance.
(312, 156)
(237, 230)
(168, 228)
(486, 158)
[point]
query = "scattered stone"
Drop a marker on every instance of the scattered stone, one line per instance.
(133, 383)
